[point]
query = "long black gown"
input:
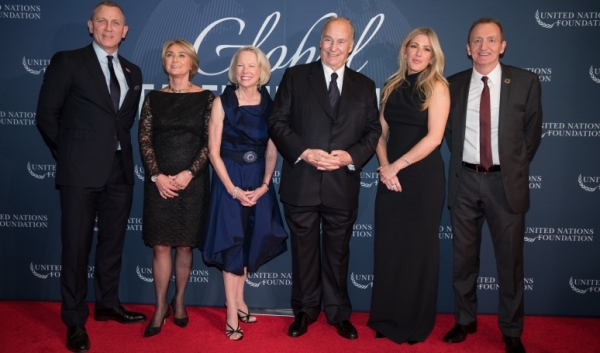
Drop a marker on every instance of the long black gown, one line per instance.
(403, 302)
(173, 136)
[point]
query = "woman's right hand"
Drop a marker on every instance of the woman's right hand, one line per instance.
(166, 186)
(243, 197)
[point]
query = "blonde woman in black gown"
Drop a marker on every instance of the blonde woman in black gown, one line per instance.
(173, 137)
(414, 109)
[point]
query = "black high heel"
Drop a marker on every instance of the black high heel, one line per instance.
(228, 333)
(245, 317)
(155, 330)
(181, 322)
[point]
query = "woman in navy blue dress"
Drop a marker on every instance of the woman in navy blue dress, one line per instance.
(245, 227)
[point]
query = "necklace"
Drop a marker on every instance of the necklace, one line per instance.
(180, 90)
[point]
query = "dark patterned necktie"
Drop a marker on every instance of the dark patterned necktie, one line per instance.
(485, 127)
(334, 92)
(115, 89)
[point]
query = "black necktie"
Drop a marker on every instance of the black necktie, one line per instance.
(115, 89)
(334, 92)
(485, 127)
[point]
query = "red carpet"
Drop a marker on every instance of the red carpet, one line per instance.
(27, 326)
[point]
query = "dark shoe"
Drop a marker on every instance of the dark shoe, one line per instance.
(230, 332)
(155, 330)
(300, 325)
(513, 344)
(346, 330)
(459, 333)
(379, 335)
(77, 339)
(119, 314)
(245, 317)
(181, 322)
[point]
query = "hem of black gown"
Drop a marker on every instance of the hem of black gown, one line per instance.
(152, 244)
(392, 336)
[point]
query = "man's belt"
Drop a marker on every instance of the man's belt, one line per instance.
(481, 169)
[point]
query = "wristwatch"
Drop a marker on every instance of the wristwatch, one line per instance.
(154, 177)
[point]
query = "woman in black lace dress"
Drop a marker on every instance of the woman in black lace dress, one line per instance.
(173, 138)
(414, 108)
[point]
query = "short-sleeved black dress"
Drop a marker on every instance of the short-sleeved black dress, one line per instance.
(173, 136)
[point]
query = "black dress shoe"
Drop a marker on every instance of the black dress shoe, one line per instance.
(346, 330)
(181, 322)
(300, 325)
(513, 344)
(77, 339)
(379, 335)
(459, 333)
(155, 330)
(119, 314)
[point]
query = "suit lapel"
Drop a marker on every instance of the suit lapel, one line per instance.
(316, 77)
(504, 97)
(463, 101)
(348, 90)
(93, 65)
(127, 72)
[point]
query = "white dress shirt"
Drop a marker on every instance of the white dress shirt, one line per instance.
(471, 151)
(340, 80)
(102, 58)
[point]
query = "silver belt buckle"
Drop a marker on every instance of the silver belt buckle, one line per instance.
(250, 157)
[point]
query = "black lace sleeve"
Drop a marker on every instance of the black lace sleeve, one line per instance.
(145, 139)
(202, 157)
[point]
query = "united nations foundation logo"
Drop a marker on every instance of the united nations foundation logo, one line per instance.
(544, 73)
(583, 286)
(369, 179)
(362, 281)
(587, 183)
(135, 224)
(258, 279)
(276, 178)
(21, 12)
(570, 130)
(491, 283)
(199, 276)
(362, 230)
(535, 182)
(17, 118)
(43, 271)
(30, 64)
(23, 221)
(139, 172)
(445, 232)
(144, 273)
(593, 73)
(533, 234)
(567, 19)
(41, 171)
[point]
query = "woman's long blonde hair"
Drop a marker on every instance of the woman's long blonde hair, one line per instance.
(428, 77)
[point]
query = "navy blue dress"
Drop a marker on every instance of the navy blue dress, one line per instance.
(239, 236)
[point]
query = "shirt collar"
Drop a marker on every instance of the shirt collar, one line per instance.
(328, 71)
(101, 54)
(494, 76)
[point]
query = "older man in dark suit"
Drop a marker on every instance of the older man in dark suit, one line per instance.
(325, 124)
(493, 133)
(86, 108)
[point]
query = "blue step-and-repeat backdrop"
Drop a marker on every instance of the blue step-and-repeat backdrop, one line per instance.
(558, 40)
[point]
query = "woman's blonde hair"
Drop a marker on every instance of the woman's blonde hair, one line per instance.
(263, 63)
(188, 48)
(434, 72)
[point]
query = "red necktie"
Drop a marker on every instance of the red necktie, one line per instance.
(485, 127)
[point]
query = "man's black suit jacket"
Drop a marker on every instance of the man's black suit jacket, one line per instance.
(302, 118)
(77, 119)
(519, 131)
